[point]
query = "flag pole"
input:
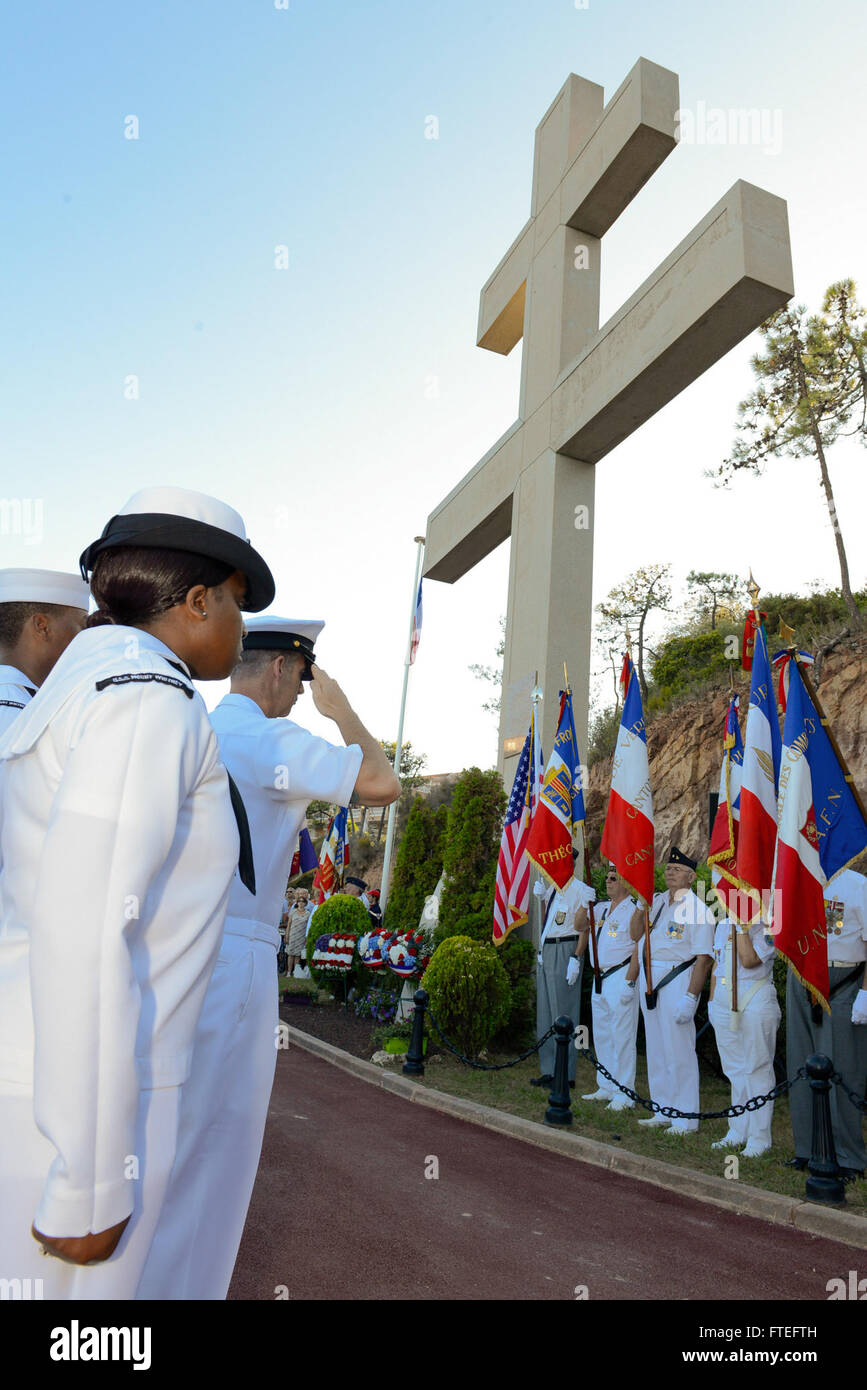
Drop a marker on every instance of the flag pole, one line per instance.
(648, 974)
(734, 981)
(398, 743)
(594, 945)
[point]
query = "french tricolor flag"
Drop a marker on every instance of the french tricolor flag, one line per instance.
(415, 635)
(723, 850)
(760, 776)
(822, 829)
(627, 839)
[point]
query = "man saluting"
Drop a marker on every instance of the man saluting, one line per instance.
(279, 769)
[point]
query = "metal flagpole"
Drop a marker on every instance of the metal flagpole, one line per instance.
(398, 744)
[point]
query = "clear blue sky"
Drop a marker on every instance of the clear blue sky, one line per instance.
(334, 403)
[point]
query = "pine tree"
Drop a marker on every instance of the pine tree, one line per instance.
(418, 865)
(812, 382)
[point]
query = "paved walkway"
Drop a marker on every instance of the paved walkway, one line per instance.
(342, 1209)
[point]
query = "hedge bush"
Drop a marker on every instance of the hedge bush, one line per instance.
(469, 993)
(418, 866)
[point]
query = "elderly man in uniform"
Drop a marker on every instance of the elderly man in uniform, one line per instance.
(843, 1036)
(40, 613)
(615, 1018)
(681, 941)
(279, 769)
(558, 970)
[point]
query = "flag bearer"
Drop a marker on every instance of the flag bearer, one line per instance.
(615, 1015)
(746, 1039)
(843, 1036)
(121, 835)
(558, 970)
(279, 768)
(681, 954)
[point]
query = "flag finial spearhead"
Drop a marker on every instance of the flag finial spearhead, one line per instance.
(754, 590)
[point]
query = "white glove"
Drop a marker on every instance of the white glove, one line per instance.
(627, 994)
(685, 1011)
(859, 1007)
(585, 893)
(573, 970)
(540, 888)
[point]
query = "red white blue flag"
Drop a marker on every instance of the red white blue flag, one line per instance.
(821, 830)
(512, 890)
(304, 859)
(334, 856)
(627, 839)
(558, 824)
(760, 777)
(723, 850)
(415, 635)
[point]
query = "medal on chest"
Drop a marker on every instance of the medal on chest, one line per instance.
(834, 917)
(674, 931)
(559, 918)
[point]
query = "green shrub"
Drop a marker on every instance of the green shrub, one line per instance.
(418, 865)
(472, 848)
(518, 960)
(341, 913)
(469, 993)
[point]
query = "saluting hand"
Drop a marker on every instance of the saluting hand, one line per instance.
(328, 697)
(82, 1250)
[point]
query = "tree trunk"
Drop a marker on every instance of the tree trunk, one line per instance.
(845, 585)
(641, 681)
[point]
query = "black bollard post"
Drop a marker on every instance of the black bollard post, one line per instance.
(559, 1110)
(825, 1183)
(414, 1064)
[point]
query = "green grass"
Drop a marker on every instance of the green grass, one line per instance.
(510, 1091)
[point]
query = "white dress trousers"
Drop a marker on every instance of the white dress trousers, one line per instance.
(747, 1041)
(279, 769)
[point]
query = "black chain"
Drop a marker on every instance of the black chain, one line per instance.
(859, 1102)
(487, 1066)
(754, 1103)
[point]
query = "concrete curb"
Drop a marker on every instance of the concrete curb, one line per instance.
(737, 1197)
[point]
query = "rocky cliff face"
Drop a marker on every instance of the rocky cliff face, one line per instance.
(685, 751)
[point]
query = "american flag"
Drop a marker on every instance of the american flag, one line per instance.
(416, 626)
(512, 891)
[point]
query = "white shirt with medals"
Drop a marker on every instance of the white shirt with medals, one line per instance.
(613, 942)
(846, 917)
(119, 842)
(279, 769)
(560, 909)
(679, 930)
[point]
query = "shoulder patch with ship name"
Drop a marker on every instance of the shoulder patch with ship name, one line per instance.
(136, 677)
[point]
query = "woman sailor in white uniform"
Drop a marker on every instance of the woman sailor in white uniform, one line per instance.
(120, 840)
(746, 1038)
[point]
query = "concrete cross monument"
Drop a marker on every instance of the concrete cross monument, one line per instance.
(584, 389)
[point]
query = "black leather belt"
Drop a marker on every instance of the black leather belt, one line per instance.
(556, 940)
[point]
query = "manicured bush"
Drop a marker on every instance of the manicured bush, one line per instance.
(469, 993)
(472, 847)
(418, 866)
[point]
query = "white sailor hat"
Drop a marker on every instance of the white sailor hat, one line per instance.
(174, 518)
(274, 634)
(44, 586)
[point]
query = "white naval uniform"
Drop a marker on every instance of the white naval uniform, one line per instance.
(120, 842)
(614, 1024)
(16, 692)
(683, 929)
(279, 769)
(554, 998)
(747, 1041)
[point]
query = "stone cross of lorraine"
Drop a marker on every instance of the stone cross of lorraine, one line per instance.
(584, 389)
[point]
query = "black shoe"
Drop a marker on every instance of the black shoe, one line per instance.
(850, 1174)
(799, 1163)
(571, 1085)
(542, 1080)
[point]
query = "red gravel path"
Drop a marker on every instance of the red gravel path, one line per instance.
(342, 1209)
